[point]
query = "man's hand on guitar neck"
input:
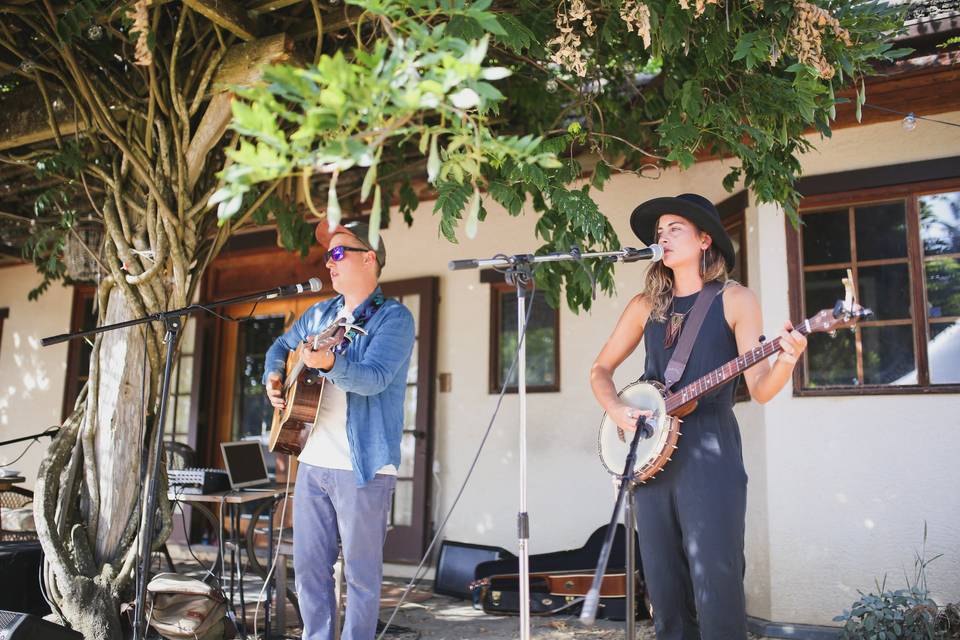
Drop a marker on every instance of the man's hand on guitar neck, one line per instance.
(275, 390)
(316, 359)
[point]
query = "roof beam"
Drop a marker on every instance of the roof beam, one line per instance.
(20, 126)
(23, 117)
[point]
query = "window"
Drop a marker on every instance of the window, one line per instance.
(181, 386)
(543, 335)
(83, 317)
(903, 250)
(733, 216)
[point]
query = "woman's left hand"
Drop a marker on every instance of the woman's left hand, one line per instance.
(793, 344)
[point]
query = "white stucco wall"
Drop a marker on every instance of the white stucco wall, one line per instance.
(31, 376)
(839, 488)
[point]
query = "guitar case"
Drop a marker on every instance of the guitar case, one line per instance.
(559, 580)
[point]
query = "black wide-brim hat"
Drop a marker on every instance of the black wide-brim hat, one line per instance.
(691, 206)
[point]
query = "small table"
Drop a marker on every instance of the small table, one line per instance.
(234, 500)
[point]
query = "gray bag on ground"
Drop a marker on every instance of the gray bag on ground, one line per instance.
(184, 607)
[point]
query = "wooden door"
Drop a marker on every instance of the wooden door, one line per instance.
(242, 411)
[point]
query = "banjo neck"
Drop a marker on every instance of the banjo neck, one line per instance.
(726, 372)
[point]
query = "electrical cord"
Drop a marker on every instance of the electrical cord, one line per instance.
(23, 453)
(417, 577)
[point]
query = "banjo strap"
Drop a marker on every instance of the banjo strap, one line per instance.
(688, 334)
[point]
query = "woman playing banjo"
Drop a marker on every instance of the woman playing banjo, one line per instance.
(690, 517)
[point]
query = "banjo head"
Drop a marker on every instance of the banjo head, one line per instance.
(653, 452)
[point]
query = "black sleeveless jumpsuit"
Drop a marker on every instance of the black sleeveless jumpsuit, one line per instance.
(690, 517)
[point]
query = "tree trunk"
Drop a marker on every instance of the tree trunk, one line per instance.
(87, 499)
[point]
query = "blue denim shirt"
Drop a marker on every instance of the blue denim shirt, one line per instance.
(373, 372)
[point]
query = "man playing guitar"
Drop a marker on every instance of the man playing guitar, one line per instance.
(348, 467)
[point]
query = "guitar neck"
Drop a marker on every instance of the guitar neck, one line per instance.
(727, 372)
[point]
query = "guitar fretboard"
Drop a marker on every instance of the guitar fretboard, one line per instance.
(727, 372)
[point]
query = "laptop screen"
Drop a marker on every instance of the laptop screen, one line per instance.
(245, 464)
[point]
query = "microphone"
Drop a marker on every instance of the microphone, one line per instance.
(313, 284)
(654, 253)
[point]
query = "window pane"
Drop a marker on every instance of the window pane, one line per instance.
(881, 231)
(408, 455)
(888, 355)
(943, 351)
(826, 237)
(885, 290)
(410, 407)
(541, 336)
(736, 232)
(822, 289)
(940, 223)
(185, 371)
(253, 413)
(403, 504)
(832, 361)
(943, 287)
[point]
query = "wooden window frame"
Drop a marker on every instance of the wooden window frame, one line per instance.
(872, 194)
(497, 288)
(82, 293)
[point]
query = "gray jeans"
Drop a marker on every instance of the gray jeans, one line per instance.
(330, 509)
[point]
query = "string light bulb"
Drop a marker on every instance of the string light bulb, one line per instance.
(909, 122)
(95, 32)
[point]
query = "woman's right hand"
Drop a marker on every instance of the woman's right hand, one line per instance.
(626, 416)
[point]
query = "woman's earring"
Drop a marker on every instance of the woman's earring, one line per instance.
(703, 262)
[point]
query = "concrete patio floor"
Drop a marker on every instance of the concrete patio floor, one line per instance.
(426, 615)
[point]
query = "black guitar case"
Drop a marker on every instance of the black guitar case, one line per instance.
(500, 593)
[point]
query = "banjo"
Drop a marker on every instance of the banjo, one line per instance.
(662, 428)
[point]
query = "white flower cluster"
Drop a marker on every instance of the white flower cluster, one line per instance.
(141, 24)
(568, 53)
(805, 38)
(636, 15)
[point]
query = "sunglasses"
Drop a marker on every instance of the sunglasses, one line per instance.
(338, 253)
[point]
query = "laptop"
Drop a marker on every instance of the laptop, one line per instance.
(246, 465)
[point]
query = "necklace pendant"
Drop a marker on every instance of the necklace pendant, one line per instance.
(674, 325)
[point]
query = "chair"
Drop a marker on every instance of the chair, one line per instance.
(180, 455)
(15, 498)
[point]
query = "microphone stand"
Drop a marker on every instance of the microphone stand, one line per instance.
(173, 320)
(588, 614)
(49, 433)
(518, 271)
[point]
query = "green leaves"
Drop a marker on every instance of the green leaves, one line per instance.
(451, 200)
(753, 48)
(421, 104)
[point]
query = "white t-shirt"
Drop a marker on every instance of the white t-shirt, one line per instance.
(327, 446)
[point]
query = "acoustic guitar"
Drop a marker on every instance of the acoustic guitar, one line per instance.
(303, 391)
(662, 428)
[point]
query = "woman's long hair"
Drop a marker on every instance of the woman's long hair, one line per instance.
(658, 288)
